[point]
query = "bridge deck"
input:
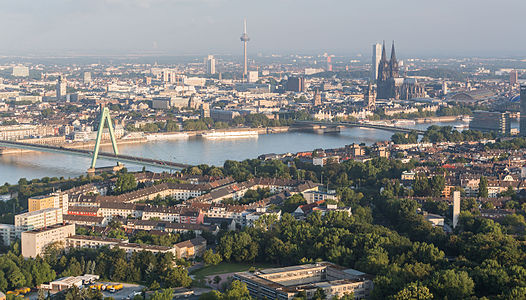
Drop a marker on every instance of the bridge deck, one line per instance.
(87, 153)
(364, 125)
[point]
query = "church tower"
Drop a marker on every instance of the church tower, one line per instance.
(394, 70)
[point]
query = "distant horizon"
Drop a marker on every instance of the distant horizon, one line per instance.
(447, 28)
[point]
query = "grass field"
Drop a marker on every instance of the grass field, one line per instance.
(226, 267)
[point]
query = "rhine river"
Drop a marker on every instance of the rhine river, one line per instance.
(190, 151)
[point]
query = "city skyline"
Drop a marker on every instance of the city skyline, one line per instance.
(105, 27)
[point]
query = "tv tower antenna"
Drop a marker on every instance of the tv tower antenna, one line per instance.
(244, 38)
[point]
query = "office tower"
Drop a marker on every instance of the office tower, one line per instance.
(20, 71)
(295, 84)
(523, 111)
(329, 64)
(456, 207)
(244, 38)
(514, 77)
(86, 77)
(444, 88)
(253, 76)
(377, 55)
(489, 121)
(210, 65)
(61, 87)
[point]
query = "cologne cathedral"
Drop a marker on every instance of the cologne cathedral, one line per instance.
(390, 85)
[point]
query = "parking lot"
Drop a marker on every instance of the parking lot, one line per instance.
(126, 291)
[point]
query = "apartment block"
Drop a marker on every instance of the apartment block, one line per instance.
(38, 219)
(53, 200)
(35, 241)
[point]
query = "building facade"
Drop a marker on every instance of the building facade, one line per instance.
(487, 121)
(34, 242)
(390, 85)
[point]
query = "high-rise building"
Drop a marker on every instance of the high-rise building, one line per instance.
(38, 219)
(244, 38)
(253, 76)
(514, 77)
(61, 87)
(523, 111)
(489, 121)
(377, 56)
(86, 77)
(295, 84)
(34, 242)
(456, 207)
(329, 63)
(444, 88)
(20, 71)
(210, 65)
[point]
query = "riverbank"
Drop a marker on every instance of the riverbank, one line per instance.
(143, 138)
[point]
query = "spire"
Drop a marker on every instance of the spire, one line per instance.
(393, 54)
(245, 26)
(384, 56)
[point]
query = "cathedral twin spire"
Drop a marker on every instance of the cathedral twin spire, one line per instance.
(388, 68)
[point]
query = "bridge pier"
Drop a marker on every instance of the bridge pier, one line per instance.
(100, 170)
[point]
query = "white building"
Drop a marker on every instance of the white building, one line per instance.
(20, 71)
(253, 76)
(210, 65)
(377, 56)
(38, 219)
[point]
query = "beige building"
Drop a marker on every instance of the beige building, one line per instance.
(191, 248)
(35, 241)
(38, 219)
(56, 200)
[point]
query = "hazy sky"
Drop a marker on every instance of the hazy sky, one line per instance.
(180, 27)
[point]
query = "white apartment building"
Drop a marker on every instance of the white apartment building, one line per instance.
(34, 242)
(38, 219)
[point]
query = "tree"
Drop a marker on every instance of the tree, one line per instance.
(452, 284)
(414, 291)
(319, 294)
(177, 277)
(211, 258)
(483, 187)
(125, 182)
(166, 294)
(238, 291)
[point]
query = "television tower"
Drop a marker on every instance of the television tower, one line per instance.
(244, 38)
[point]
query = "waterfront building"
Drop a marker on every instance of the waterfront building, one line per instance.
(287, 282)
(487, 121)
(35, 241)
(377, 56)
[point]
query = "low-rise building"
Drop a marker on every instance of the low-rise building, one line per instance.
(287, 282)
(190, 248)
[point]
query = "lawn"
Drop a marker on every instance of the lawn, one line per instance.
(226, 267)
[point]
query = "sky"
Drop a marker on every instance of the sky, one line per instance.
(488, 28)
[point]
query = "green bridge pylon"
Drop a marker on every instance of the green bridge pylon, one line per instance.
(104, 116)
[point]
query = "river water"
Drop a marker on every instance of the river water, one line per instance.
(190, 151)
